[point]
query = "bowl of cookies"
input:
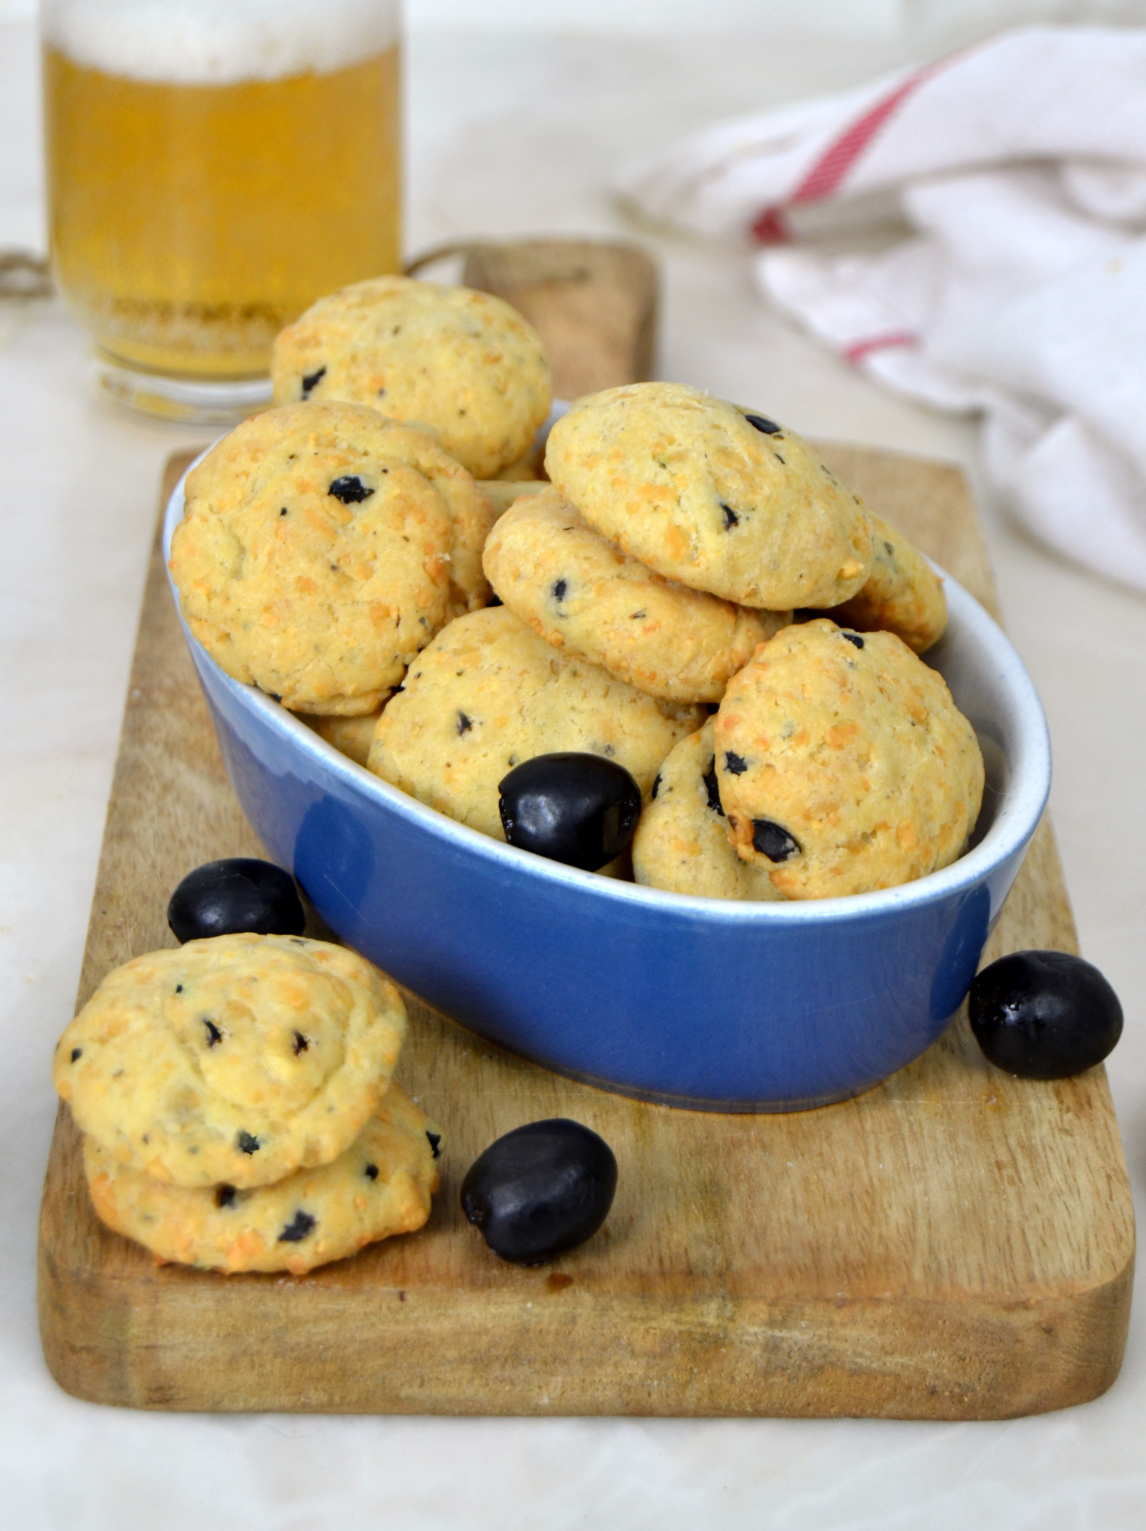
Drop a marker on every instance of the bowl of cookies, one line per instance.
(660, 760)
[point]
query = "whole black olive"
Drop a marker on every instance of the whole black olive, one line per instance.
(1044, 1015)
(577, 808)
(540, 1190)
(222, 897)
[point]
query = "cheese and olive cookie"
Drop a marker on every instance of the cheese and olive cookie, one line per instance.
(237, 1059)
(313, 557)
(351, 737)
(488, 694)
(714, 496)
(581, 593)
(902, 594)
(322, 547)
(843, 764)
(381, 1185)
(681, 842)
(462, 362)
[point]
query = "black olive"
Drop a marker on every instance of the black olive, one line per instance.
(350, 489)
(712, 787)
(540, 1190)
(1044, 1015)
(301, 1226)
(773, 840)
(222, 897)
(577, 808)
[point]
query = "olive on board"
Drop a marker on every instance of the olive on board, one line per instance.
(1044, 1015)
(580, 809)
(240, 893)
(540, 1190)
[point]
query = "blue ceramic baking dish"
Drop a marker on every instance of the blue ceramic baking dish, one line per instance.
(692, 1002)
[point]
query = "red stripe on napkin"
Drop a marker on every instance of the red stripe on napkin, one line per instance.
(770, 228)
(833, 165)
(826, 175)
(861, 348)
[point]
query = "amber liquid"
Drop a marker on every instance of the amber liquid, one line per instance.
(189, 223)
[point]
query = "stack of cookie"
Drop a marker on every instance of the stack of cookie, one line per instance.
(238, 1107)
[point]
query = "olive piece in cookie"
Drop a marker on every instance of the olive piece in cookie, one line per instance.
(221, 898)
(540, 1190)
(1044, 1015)
(573, 807)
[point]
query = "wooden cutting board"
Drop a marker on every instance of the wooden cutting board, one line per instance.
(955, 1244)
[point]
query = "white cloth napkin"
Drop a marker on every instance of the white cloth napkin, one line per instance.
(1018, 288)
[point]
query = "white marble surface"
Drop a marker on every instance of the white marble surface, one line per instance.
(509, 135)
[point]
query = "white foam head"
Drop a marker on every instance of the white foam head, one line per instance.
(219, 42)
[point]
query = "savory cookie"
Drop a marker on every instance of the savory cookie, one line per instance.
(239, 1058)
(381, 1185)
(903, 594)
(351, 737)
(322, 546)
(681, 841)
(843, 764)
(580, 592)
(488, 694)
(711, 495)
(462, 362)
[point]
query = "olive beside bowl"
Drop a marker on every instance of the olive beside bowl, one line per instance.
(702, 1003)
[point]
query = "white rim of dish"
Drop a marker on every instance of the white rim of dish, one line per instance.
(1015, 821)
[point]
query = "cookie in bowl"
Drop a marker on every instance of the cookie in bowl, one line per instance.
(322, 547)
(902, 593)
(843, 764)
(714, 496)
(463, 363)
(581, 593)
(681, 843)
(488, 694)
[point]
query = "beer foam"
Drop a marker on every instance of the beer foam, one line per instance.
(219, 42)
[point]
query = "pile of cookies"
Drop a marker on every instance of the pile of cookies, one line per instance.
(238, 1107)
(351, 553)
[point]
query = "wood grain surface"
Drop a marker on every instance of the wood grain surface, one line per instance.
(954, 1244)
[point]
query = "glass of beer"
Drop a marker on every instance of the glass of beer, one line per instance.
(214, 166)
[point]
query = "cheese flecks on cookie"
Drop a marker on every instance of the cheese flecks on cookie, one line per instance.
(379, 1186)
(488, 694)
(581, 593)
(681, 843)
(461, 362)
(237, 1059)
(843, 764)
(902, 594)
(699, 491)
(322, 547)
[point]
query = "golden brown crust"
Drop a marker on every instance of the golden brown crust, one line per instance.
(579, 591)
(488, 694)
(902, 595)
(351, 737)
(464, 363)
(381, 1185)
(240, 1058)
(681, 843)
(689, 486)
(314, 554)
(843, 764)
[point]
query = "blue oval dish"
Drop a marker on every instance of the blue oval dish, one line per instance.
(713, 1005)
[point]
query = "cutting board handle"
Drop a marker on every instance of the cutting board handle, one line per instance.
(594, 303)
